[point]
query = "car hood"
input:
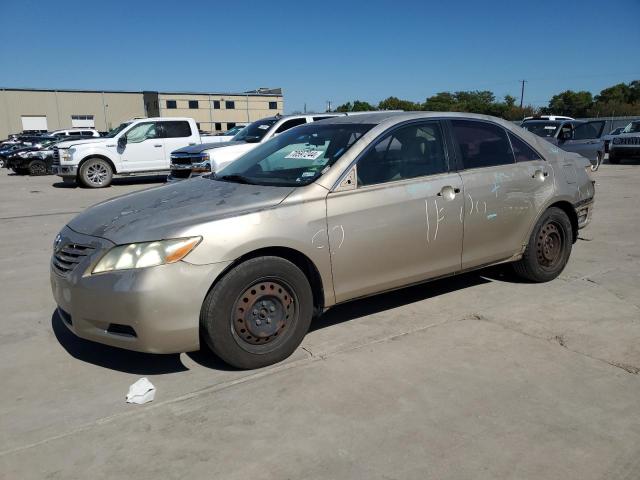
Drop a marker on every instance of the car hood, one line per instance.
(167, 211)
(205, 146)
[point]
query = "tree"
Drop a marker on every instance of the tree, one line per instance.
(394, 103)
(573, 104)
(356, 106)
(441, 102)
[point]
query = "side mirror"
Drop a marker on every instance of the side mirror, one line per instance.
(122, 141)
(254, 139)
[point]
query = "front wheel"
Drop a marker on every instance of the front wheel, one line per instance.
(2, 163)
(95, 173)
(599, 156)
(258, 313)
(548, 249)
(37, 167)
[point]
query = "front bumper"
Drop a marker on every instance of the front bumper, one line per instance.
(154, 310)
(65, 170)
(623, 151)
(584, 210)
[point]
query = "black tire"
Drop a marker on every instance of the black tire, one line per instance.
(258, 313)
(613, 159)
(549, 247)
(2, 162)
(37, 168)
(95, 173)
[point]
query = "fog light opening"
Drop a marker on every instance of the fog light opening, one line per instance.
(122, 330)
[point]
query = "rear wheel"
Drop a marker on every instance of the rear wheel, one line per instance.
(95, 173)
(258, 313)
(2, 163)
(548, 249)
(37, 167)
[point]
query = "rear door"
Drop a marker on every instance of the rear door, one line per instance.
(502, 196)
(586, 139)
(401, 224)
(176, 134)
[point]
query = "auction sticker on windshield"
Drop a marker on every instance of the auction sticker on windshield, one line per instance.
(304, 154)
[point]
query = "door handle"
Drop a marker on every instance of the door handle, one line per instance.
(540, 174)
(158, 146)
(448, 192)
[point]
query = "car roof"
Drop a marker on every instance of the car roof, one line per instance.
(377, 118)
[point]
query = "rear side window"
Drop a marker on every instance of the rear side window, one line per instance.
(290, 124)
(522, 151)
(176, 129)
(482, 144)
(315, 119)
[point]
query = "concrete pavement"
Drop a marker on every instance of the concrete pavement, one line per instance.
(478, 376)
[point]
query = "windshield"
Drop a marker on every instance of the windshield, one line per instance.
(542, 129)
(633, 127)
(117, 130)
(255, 130)
(233, 131)
(296, 157)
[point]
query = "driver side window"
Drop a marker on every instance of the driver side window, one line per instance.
(142, 132)
(411, 151)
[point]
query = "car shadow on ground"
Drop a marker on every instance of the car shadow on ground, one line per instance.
(398, 298)
(135, 180)
(153, 364)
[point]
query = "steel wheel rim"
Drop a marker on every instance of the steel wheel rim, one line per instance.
(550, 245)
(97, 173)
(264, 315)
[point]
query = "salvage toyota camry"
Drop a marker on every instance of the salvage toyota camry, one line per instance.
(321, 214)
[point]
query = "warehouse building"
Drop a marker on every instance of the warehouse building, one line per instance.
(24, 109)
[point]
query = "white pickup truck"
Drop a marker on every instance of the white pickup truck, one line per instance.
(138, 146)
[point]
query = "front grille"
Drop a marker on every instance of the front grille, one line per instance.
(56, 156)
(184, 161)
(627, 141)
(66, 258)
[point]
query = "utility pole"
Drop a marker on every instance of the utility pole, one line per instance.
(328, 105)
(522, 93)
(305, 107)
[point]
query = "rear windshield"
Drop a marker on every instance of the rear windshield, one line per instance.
(542, 128)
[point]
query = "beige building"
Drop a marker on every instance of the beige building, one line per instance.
(51, 109)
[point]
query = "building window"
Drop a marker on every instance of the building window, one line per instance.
(172, 104)
(218, 126)
(193, 104)
(82, 121)
(230, 105)
(230, 125)
(216, 105)
(273, 105)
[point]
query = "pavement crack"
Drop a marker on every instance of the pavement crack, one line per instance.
(561, 341)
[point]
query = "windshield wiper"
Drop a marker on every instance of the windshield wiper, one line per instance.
(235, 178)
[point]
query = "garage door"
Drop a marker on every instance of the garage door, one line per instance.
(34, 122)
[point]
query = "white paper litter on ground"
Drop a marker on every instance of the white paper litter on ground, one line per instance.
(141, 392)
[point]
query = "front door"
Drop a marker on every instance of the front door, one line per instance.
(585, 139)
(144, 149)
(401, 224)
(502, 196)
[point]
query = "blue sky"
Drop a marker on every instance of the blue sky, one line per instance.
(325, 50)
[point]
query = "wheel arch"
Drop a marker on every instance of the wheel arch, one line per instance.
(299, 259)
(101, 157)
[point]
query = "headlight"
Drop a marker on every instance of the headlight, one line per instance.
(202, 165)
(146, 254)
